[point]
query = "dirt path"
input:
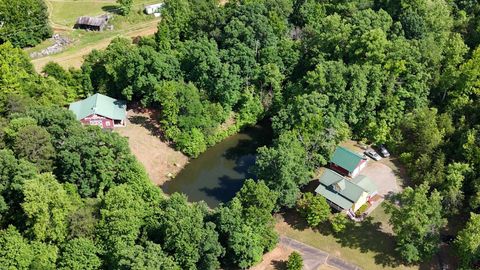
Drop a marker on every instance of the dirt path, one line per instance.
(158, 158)
(275, 259)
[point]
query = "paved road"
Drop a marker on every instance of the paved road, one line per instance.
(313, 258)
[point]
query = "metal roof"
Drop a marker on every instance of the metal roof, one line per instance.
(93, 21)
(346, 158)
(342, 191)
(365, 183)
(101, 105)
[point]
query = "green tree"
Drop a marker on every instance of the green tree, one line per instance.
(45, 256)
(125, 6)
(451, 189)
(95, 161)
(11, 131)
(34, 143)
(283, 168)
(47, 206)
(244, 237)
(15, 251)
(15, 70)
(150, 257)
(467, 242)
(13, 174)
(314, 208)
(121, 217)
(417, 222)
(24, 29)
(186, 235)
(79, 253)
(295, 261)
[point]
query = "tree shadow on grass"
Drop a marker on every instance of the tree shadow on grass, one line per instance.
(279, 265)
(112, 9)
(366, 236)
(149, 124)
(293, 218)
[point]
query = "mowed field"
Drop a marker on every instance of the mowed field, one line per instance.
(64, 13)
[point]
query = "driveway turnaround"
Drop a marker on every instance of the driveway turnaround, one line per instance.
(313, 258)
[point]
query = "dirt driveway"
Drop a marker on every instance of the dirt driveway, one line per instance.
(158, 158)
(383, 176)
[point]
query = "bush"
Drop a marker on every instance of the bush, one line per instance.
(362, 209)
(295, 261)
(339, 222)
(313, 208)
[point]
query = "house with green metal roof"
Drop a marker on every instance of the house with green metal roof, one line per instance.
(100, 110)
(346, 162)
(343, 193)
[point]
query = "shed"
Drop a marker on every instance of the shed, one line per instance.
(100, 110)
(347, 162)
(92, 23)
(345, 194)
(155, 8)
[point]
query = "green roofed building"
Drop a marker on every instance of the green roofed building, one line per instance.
(343, 193)
(100, 110)
(346, 162)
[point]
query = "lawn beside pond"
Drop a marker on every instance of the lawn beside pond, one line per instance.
(368, 244)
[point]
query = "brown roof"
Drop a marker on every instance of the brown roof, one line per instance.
(93, 21)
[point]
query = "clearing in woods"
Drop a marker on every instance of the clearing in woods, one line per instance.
(158, 158)
(64, 13)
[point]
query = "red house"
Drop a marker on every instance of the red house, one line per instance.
(100, 110)
(347, 162)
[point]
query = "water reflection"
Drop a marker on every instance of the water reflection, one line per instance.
(216, 175)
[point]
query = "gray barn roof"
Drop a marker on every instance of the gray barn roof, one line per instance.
(93, 21)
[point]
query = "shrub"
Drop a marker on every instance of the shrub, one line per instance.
(362, 209)
(295, 261)
(339, 222)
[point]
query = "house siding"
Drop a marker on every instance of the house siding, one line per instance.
(98, 120)
(339, 169)
(361, 201)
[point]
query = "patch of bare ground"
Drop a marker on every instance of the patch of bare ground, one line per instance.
(145, 139)
(275, 259)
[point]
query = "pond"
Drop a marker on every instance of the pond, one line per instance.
(218, 173)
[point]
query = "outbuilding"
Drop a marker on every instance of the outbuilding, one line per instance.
(100, 110)
(92, 23)
(347, 162)
(152, 9)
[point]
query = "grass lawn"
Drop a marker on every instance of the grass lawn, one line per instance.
(63, 14)
(368, 244)
(66, 12)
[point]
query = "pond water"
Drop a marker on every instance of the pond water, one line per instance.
(218, 173)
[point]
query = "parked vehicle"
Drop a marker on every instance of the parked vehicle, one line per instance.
(373, 155)
(383, 151)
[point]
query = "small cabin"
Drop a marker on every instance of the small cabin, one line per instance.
(92, 23)
(100, 110)
(152, 9)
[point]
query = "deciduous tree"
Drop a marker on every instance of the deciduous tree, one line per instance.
(416, 222)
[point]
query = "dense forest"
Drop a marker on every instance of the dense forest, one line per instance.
(401, 73)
